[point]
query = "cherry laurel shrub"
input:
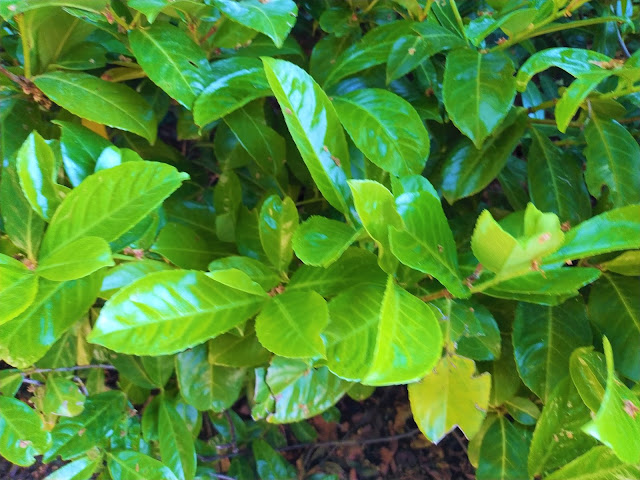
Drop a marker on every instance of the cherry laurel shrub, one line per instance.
(288, 202)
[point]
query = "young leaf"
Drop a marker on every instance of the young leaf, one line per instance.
(112, 104)
(617, 423)
(503, 454)
(96, 207)
(237, 82)
(575, 95)
(176, 444)
(450, 396)
(166, 312)
(278, 223)
(614, 307)
(613, 159)
(258, 271)
(320, 241)
(321, 143)
(171, 60)
(426, 242)
(543, 339)
(63, 398)
(381, 336)
(18, 287)
(76, 259)
(22, 434)
(274, 18)
(386, 128)
(136, 466)
(478, 91)
(290, 324)
(207, 386)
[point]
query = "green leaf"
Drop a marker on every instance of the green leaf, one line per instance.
(9, 8)
(136, 466)
(627, 263)
(37, 170)
(386, 128)
(468, 170)
(575, 61)
(127, 273)
(485, 345)
(381, 336)
(315, 128)
(74, 436)
(23, 225)
(176, 443)
(617, 229)
(617, 423)
(18, 288)
(151, 8)
(290, 324)
(270, 464)
(256, 270)
(450, 396)
(63, 398)
(478, 91)
(503, 453)
(77, 259)
(296, 391)
(409, 51)
(22, 434)
(237, 82)
(274, 18)
(207, 386)
(10, 382)
(426, 242)
(56, 307)
(574, 96)
(375, 206)
(81, 469)
(543, 339)
(588, 371)
(278, 223)
(231, 350)
(80, 148)
(187, 248)
(172, 61)
(614, 307)
(166, 312)
(320, 241)
(112, 104)
(556, 183)
(501, 253)
(599, 463)
(523, 410)
(613, 159)
(111, 202)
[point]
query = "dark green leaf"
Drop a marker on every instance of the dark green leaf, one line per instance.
(176, 444)
(503, 454)
(80, 149)
(270, 464)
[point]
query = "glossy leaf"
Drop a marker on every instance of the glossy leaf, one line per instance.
(176, 444)
(92, 209)
(258, 271)
(137, 466)
(18, 287)
(555, 182)
(231, 350)
(588, 371)
(485, 345)
(574, 96)
(599, 463)
(503, 454)
(187, 248)
(617, 423)
(450, 396)
(426, 242)
(373, 336)
(112, 104)
(627, 264)
(269, 463)
(81, 469)
(237, 82)
(614, 307)
(275, 18)
(126, 273)
(478, 91)
(22, 434)
(315, 128)
(613, 159)
(166, 312)
(320, 241)
(80, 149)
(56, 307)
(278, 223)
(523, 410)
(291, 323)
(63, 398)
(171, 60)
(207, 386)
(386, 128)
(77, 259)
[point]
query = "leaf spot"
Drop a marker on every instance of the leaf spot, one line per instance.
(631, 409)
(545, 237)
(24, 443)
(411, 51)
(81, 432)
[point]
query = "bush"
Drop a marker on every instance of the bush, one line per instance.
(297, 201)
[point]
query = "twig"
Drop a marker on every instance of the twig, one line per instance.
(232, 431)
(32, 382)
(434, 296)
(11, 76)
(623, 45)
(65, 369)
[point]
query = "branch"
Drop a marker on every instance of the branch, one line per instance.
(65, 369)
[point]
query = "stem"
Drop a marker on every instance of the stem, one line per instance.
(64, 369)
(543, 106)
(26, 47)
(456, 14)
(309, 201)
(371, 5)
(119, 256)
(546, 121)
(434, 296)
(622, 93)
(135, 21)
(629, 120)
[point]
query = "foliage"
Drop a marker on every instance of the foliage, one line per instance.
(294, 201)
